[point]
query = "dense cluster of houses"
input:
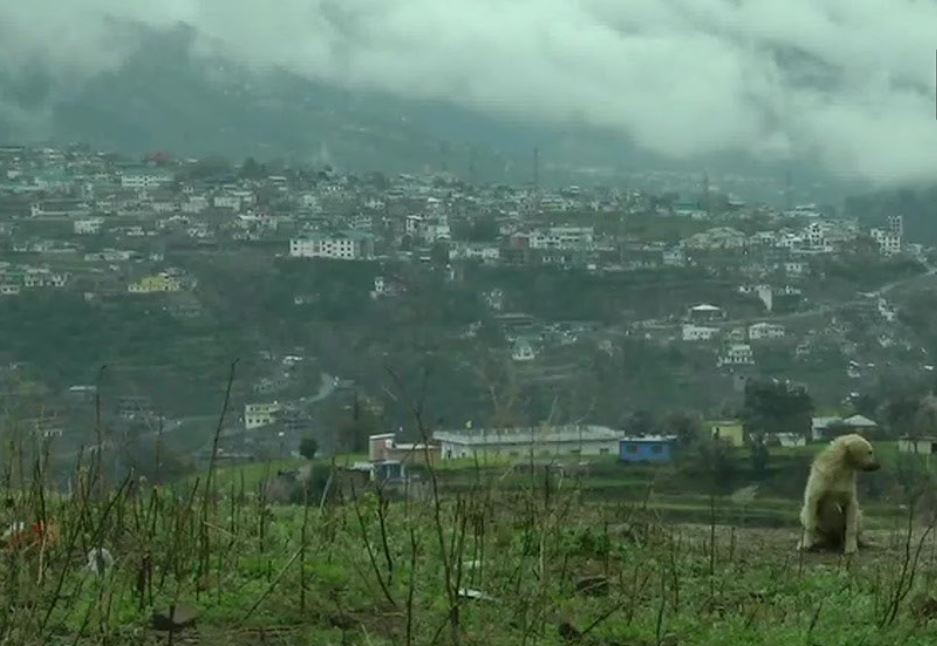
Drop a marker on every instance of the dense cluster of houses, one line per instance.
(119, 216)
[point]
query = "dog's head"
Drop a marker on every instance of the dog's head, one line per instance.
(859, 453)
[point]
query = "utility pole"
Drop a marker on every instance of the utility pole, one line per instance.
(444, 156)
(788, 193)
(471, 166)
(536, 178)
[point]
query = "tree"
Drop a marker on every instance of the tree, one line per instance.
(759, 456)
(686, 427)
(250, 169)
(353, 433)
(901, 414)
(308, 447)
(715, 463)
(777, 407)
(865, 404)
(641, 422)
(925, 419)
(439, 254)
(484, 229)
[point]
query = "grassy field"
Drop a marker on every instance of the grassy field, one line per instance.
(493, 562)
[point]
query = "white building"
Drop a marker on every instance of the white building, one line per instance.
(43, 278)
(920, 445)
(194, 205)
(737, 354)
(896, 225)
(549, 441)
(563, 238)
(673, 257)
(227, 201)
(795, 268)
(820, 426)
(705, 312)
(89, 226)
(259, 415)
(889, 244)
(790, 440)
(698, 332)
(145, 178)
(487, 253)
(523, 351)
(763, 331)
(350, 245)
(428, 229)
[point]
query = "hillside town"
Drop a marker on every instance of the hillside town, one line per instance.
(754, 290)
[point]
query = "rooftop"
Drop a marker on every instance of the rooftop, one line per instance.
(530, 435)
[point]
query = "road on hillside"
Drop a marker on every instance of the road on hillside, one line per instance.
(327, 386)
(819, 310)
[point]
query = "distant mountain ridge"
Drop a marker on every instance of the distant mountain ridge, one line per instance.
(165, 98)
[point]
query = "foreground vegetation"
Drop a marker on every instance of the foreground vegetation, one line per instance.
(535, 562)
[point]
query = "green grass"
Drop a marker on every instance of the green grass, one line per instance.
(385, 569)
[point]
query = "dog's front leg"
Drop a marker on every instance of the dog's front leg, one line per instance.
(851, 543)
(809, 518)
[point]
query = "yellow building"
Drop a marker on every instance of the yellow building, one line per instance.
(155, 283)
(729, 431)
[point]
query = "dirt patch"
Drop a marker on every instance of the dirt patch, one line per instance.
(781, 544)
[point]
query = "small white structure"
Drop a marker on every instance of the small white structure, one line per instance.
(889, 243)
(523, 351)
(260, 415)
(350, 245)
(693, 332)
(704, 312)
(227, 201)
(859, 424)
(790, 440)
(88, 226)
(145, 178)
(546, 441)
(737, 354)
(919, 446)
(562, 238)
(820, 426)
(766, 331)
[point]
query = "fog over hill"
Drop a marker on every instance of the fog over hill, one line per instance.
(841, 92)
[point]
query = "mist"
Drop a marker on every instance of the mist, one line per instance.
(847, 84)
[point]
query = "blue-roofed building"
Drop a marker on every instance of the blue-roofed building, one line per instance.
(648, 449)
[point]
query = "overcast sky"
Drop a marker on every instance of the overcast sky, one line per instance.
(678, 77)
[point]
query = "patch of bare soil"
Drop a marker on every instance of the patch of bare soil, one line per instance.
(776, 544)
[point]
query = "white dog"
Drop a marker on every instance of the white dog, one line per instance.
(831, 516)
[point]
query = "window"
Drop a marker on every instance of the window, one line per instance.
(657, 448)
(603, 451)
(575, 451)
(631, 448)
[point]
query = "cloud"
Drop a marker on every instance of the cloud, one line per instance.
(850, 83)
